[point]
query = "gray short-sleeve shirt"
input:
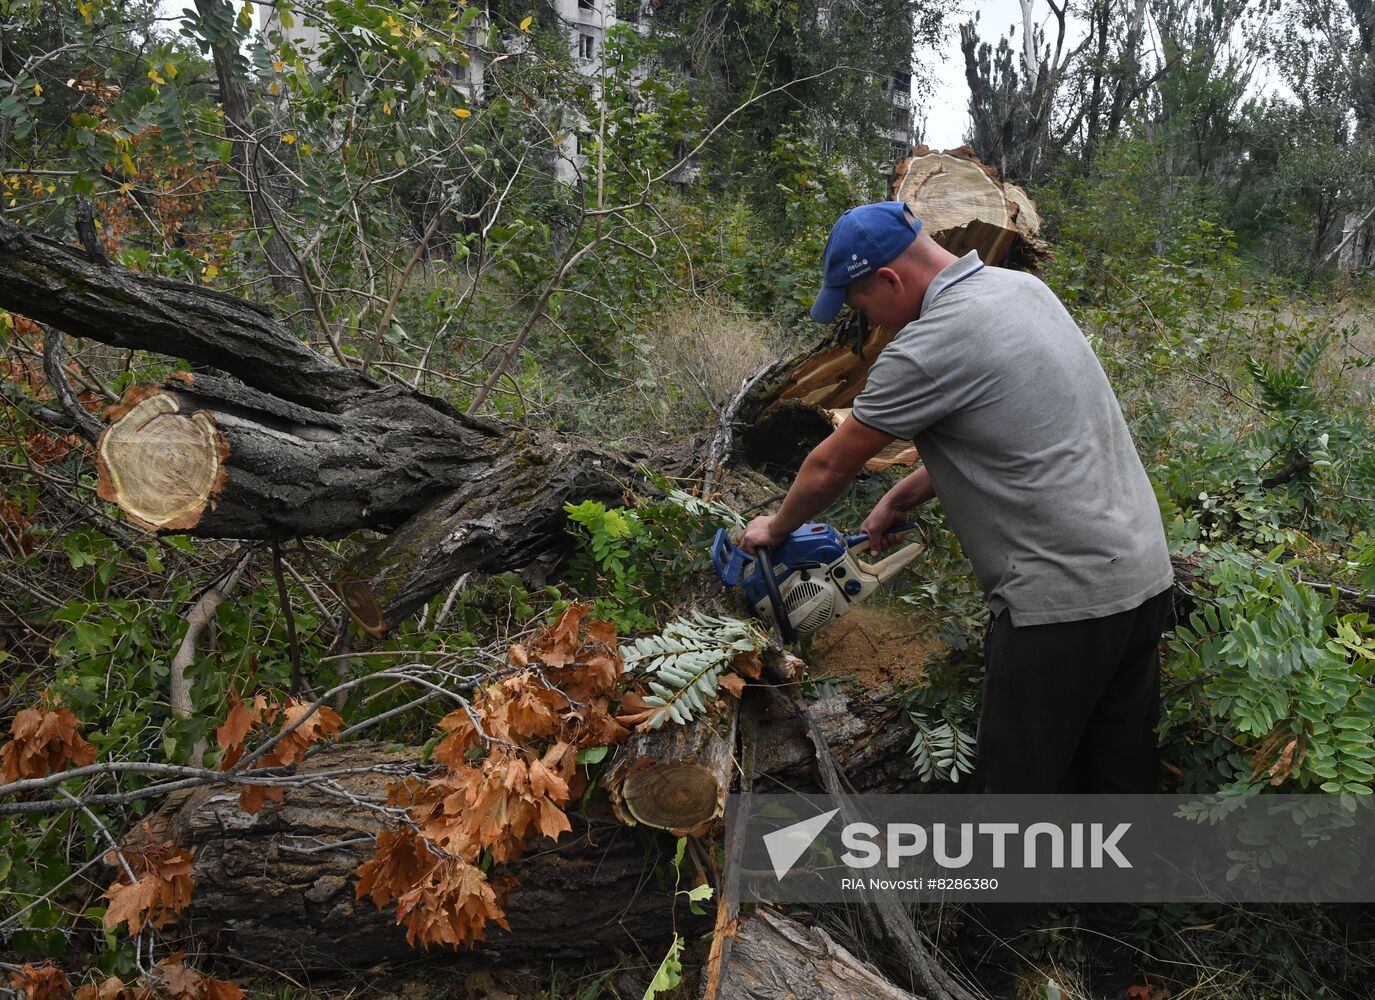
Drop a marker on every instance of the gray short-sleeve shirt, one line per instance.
(1025, 444)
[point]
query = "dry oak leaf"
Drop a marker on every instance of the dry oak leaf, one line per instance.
(310, 727)
(243, 716)
(498, 804)
(111, 988)
(160, 892)
(513, 710)
(41, 982)
(170, 979)
(318, 725)
(44, 740)
(583, 666)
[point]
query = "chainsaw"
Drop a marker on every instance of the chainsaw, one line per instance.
(812, 578)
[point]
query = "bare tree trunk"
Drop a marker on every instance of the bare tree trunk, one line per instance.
(256, 172)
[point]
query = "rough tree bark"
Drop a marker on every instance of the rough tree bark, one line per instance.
(676, 778)
(775, 958)
(278, 886)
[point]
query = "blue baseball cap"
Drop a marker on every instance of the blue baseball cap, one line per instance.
(862, 240)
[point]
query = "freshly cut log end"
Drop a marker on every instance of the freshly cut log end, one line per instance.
(361, 602)
(964, 206)
(671, 795)
(163, 467)
(676, 778)
(899, 452)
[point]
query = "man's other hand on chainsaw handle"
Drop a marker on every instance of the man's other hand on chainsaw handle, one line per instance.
(761, 533)
(911, 491)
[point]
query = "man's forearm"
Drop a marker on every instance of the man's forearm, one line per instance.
(910, 491)
(816, 487)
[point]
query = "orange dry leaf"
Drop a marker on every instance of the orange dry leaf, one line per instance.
(324, 722)
(498, 805)
(173, 980)
(289, 750)
(733, 683)
(451, 905)
(500, 789)
(236, 726)
(513, 710)
(44, 741)
(112, 988)
(170, 979)
(161, 890)
(584, 666)
(636, 712)
(400, 861)
(42, 982)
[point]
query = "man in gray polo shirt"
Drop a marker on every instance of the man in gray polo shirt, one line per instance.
(1023, 441)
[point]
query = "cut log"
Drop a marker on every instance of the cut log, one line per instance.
(864, 730)
(898, 453)
(962, 203)
(277, 887)
(301, 446)
(676, 778)
(775, 958)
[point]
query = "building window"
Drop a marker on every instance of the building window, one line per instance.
(587, 4)
(586, 46)
(902, 83)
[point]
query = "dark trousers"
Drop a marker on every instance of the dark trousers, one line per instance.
(1070, 707)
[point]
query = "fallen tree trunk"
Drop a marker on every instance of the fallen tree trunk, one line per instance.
(301, 446)
(277, 886)
(797, 401)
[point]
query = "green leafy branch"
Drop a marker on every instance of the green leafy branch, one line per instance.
(685, 661)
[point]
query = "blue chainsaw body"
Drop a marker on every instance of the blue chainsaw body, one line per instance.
(812, 546)
(816, 576)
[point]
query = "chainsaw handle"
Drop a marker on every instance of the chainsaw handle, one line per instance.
(780, 609)
(886, 567)
(852, 540)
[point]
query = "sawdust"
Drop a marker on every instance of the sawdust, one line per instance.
(872, 646)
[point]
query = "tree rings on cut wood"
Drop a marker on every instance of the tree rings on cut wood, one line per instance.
(683, 798)
(964, 206)
(676, 778)
(160, 465)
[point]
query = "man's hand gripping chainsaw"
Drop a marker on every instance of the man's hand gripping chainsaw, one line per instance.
(810, 579)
